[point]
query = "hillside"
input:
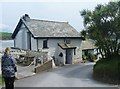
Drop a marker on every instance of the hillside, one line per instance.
(5, 36)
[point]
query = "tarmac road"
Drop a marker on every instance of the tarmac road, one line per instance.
(77, 75)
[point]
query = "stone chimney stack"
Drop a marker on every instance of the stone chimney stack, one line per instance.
(26, 17)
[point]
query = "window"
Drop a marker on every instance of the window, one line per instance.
(74, 51)
(45, 44)
(67, 41)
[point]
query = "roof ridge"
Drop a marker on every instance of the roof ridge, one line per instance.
(50, 21)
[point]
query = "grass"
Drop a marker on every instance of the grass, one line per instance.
(1, 80)
(107, 70)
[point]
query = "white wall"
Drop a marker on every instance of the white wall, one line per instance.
(40, 43)
(77, 43)
(54, 49)
(21, 38)
(60, 60)
(33, 44)
(52, 46)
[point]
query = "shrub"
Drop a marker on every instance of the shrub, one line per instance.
(1, 80)
(107, 70)
(91, 57)
(84, 57)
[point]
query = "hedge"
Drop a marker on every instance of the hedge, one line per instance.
(107, 70)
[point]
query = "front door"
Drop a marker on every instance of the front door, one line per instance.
(69, 56)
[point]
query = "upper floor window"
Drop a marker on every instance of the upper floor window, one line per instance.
(67, 41)
(45, 43)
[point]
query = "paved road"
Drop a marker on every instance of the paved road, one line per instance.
(78, 75)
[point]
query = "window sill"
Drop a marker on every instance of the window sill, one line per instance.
(45, 48)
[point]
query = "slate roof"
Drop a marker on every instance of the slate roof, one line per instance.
(66, 46)
(88, 44)
(45, 28)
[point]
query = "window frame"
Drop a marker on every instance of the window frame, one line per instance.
(45, 44)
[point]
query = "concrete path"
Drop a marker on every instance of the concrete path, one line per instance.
(24, 72)
(78, 75)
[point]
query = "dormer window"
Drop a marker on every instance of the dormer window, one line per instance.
(45, 43)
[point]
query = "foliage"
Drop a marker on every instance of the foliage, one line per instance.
(107, 70)
(84, 59)
(91, 57)
(5, 36)
(1, 80)
(83, 33)
(103, 26)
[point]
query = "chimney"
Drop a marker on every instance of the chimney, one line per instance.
(26, 17)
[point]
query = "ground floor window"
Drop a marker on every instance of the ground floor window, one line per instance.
(74, 51)
(45, 44)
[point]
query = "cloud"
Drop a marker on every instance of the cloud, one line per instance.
(5, 28)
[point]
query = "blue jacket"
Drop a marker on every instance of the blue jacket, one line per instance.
(8, 66)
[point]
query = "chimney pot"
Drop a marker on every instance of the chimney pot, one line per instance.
(26, 17)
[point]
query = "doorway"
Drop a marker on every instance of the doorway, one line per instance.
(69, 56)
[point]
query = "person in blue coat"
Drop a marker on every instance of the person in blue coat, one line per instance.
(8, 69)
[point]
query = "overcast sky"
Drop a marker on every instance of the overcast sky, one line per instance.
(58, 10)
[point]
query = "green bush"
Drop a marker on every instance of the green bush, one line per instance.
(91, 57)
(1, 80)
(107, 70)
(84, 57)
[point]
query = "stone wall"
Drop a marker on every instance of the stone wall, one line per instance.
(38, 55)
(46, 66)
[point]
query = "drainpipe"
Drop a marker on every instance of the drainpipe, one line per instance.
(37, 44)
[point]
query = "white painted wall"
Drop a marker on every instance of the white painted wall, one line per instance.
(40, 43)
(21, 38)
(54, 49)
(61, 60)
(77, 43)
(52, 46)
(18, 40)
(33, 44)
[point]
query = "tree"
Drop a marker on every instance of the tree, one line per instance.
(83, 33)
(103, 25)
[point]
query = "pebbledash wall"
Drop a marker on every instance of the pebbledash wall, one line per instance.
(21, 41)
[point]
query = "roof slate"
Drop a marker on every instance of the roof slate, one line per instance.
(44, 28)
(88, 44)
(66, 46)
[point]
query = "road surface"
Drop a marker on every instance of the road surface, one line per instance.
(78, 75)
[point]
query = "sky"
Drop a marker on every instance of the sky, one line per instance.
(56, 10)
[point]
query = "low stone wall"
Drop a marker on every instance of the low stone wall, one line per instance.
(15, 54)
(38, 55)
(46, 66)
